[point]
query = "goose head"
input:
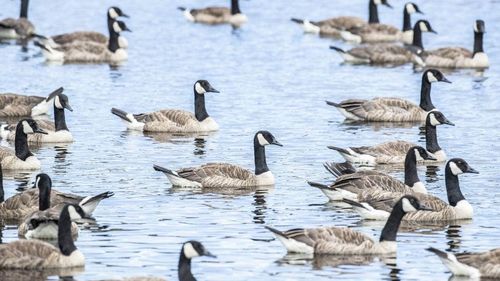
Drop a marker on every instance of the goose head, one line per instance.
(411, 8)
(381, 2)
(479, 26)
(459, 166)
(43, 182)
(119, 26)
(29, 126)
(191, 249)
(424, 26)
(411, 204)
(61, 101)
(115, 12)
(76, 212)
(202, 86)
(263, 138)
(422, 154)
(434, 75)
(435, 118)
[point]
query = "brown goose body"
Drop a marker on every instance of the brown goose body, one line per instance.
(14, 105)
(484, 265)
(174, 120)
(46, 219)
(11, 28)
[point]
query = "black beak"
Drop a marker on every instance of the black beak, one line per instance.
(68, 107)
(430, 157)
(387, 4)
(275, 142)
(420, 12)
(445, 80)
(125, 15)
(127, 29)
(471, 170)
(432, 31)
(208, 254)
(448, 122)
(212, 90)
(40, 131)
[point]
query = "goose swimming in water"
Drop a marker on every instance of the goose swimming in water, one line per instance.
(350, 184)
(224, 175)
(14, 105)
(457, 57)
(479, 265)
(173, 120)
(37, 254)
(392, 109)
(20, 28)
(87, 51)
(378, 205)
(389, 54)
(57, 131)
(334, 26)
(217, 15)
(346, 241)
(394, 152)
(384, 33)
(91, 36)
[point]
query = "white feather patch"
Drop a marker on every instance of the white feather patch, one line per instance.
(57, 102)
(116, 27)
(419, 187)
(410, 8)
(455, 169)
(407, 206)
(434, 121)
(73, 214)
(423, 27)
(199, 89)
(262, 140)
(463, 210)
(27, 128)
(430, 76)
(266, 178)
(189, 251)
(112, 13)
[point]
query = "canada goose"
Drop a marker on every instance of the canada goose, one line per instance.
(14, 105)
(43, 223)
(57, 131)
(173, 120)
(36, 254)
(378, 33)
(20, 205)
(11, 28)
(224, 175)
(87, 51)
(457, 57)
(393, 54)
(21, 158)
(346, 241)
(92, 36)
(378, 206)
(484, 265)
(394, 152)
(333, 26)
(351, 183)
(393, 109)
(217, 15)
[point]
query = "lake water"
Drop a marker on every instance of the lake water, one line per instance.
(271, 76)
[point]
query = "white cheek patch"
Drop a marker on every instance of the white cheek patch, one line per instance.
(37, 181)
(199, 89)
(27, 128)
(476, 28)
(116, 27)
(431, 78)
(377, 2)
(57, 102)
(455, 169)
(418, 156)
(410, 8)
(407, 206)
(262, 140)
(73, 214)
(434, 121)
(113, 14)
(189, 251)
(423, 27)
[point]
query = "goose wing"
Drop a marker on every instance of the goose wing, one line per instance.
(376, 28)
(170, 120)
(487, 262)
(68, 38)
(61, 198)
(390, 148)
(17, 105)
(84, 51)
(342, 23)
(19, 205)
(219, 175)
(212, 11)
(385, 200)
(27, 254)
(449, 53)
(382, 53)
(370, 180)
(8, 23)
(387, 109)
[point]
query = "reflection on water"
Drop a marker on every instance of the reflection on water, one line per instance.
(453, 234)
(260, 204)
(39, 275)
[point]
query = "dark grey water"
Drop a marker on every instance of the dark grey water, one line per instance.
(271, 76)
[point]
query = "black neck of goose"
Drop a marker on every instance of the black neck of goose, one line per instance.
(425, 95)
(113, 41)
(60, 119)
(391, 227)
(184, 268)
(200, 111)
(406, 20)
(24, 9)
(417, 37)
(260, 158)
(235, 7)
(2, 193)
(452, 187)
(64, 238)
(373, 12)
(411, 174)
(478, 43)
(21, 144)
(431, 141)
(44, 199)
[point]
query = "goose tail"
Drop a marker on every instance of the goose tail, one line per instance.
(299, 21)
(318, 185)
(307, 26)
(455, 266)
(89, 203)
(181, 8)
(175, 178)
(333, 103)
(350, 37)
(165, 170)
(339, 169)
(337, 49)
(122, 114)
